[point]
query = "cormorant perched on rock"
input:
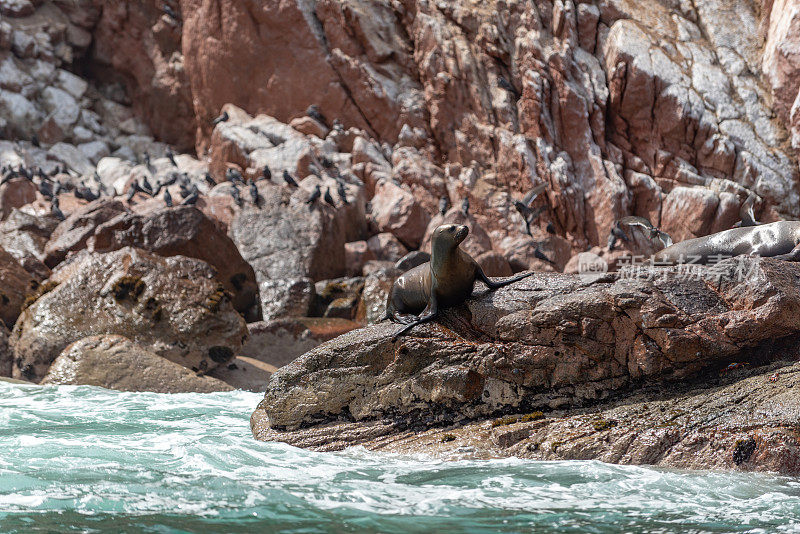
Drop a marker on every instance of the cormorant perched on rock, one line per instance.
(85, 193)
(146, 187)
(328, 198)
(237, 197)
(465, 206)
(314, 195)
(444, 203)
(132, 191)
(266, 172)
(35, 141)
(191, 198)
(222, 118)
(652, 231)
(55, 210)
(185, 192)
(167, 198)
(502, 83)
(288, 178)
(551, 229)
(342, 192)
(540, 255)
(313, 112)
(46, 188)
(171, 157)
(233, 175)
(253, 192)
(168, 11)
(209, 180)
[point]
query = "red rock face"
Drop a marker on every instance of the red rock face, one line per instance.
(143, 45)
(619, 107)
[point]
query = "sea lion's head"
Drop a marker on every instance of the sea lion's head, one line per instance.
(448, 236)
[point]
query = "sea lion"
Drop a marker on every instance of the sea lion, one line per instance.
(774, 240)
(446, 280)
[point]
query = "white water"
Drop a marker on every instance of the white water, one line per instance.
(78, 458)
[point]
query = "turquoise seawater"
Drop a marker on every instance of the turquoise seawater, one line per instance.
(85, 459)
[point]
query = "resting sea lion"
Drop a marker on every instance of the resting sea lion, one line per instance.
(446, 280)
(775, 240)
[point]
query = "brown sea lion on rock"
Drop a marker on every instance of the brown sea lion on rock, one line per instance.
(775, 240)
(446, 280)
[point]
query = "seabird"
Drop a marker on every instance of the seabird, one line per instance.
(314, 195)
(652, 231)
(313, 112)
(254, 193)
(222, 118)
(266, 173)
(236, 196)
(233, 175)
(171, 157)
(342, 192)
(615, 235)
(328, 198)
(167, 198)
(444, 202)
(288, 178)
(132, 191)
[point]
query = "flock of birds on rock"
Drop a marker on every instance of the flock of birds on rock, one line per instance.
(50, 187)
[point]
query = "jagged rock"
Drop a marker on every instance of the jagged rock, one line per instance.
(6, 357)
(72, 234)
(287, 297)
(377, 285)
(280, 341)
(184, 231)
(356, 254)
(14, 194)
(548, 341)
(386, 247)
(494, 264)
(115, 362)
(286, 238)
(173, 307)
(15, 284)
(395, 210)
(735, 420)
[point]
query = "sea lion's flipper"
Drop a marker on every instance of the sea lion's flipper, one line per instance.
(480, 275)
(430, 313)
(794, 255)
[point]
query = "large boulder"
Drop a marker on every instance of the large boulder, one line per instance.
(174, 307)
(184, 231)
(15, 284)
(280, 341)
(14, 194)
(25, 237)
(116, 362)
(546, 342)
(73, 233)
(290, 244)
